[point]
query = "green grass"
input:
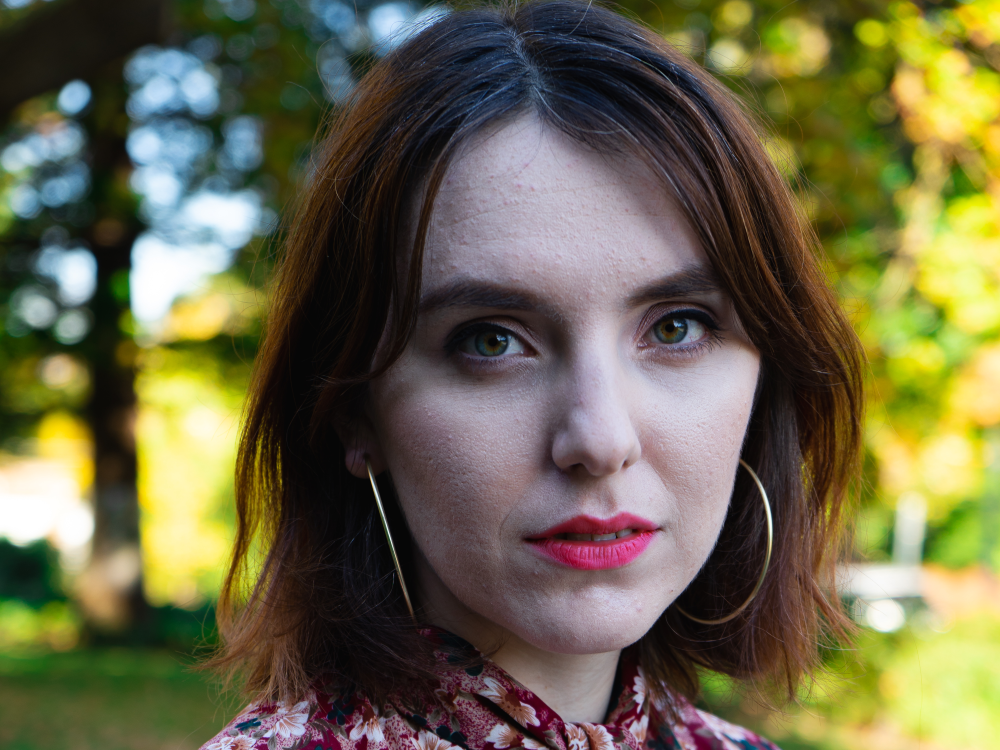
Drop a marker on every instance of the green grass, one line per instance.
(113, 699)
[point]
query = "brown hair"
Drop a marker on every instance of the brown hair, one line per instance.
(321, 598)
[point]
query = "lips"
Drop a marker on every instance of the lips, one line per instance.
(588, 543)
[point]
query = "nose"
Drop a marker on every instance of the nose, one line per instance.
(595, 431)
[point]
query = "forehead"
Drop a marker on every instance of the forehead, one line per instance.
(528, 205)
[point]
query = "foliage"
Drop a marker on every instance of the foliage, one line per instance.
(106, 699)
(884, 115)
(29, 573)
(187, 428)
(923, 683)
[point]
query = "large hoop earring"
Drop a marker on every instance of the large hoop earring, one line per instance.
(388, 537)
(767, 557)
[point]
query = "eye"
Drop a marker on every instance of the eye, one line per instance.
(490, 343)
(678, 329)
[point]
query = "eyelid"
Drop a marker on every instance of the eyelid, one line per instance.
(482, 326)
(658, 313)
(710, 339)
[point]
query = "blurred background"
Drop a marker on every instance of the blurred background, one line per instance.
(150, 151)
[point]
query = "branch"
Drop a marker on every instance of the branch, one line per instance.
(72, 39)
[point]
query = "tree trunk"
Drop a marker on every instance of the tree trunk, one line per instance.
(110, 589)
(72, 39)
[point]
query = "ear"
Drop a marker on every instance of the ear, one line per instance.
(359, 441)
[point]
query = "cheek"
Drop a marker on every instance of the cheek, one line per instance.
(459, 460)
(693, 443)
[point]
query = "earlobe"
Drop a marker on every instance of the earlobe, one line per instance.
(359, 441)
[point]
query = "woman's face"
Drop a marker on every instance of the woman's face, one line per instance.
(563, 429)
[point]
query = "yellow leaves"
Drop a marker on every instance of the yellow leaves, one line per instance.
(976, 394)
(187, 432)
(732, 16)
(728, 56)
(797, 47)
(949, 465)
(227, 307)
(200, 319)
(782, 153)
(982, 20)
(871, 33)
(950, 101)
(65, 438)
(960, 269)
(918, 359)
(941, 94)
(945, 468)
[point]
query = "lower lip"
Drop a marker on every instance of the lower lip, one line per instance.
(614, 553)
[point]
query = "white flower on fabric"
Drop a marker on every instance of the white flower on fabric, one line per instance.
(723, 729)
(239, 742)
(683, 736)
(576, 738)
(429, 741)
(370, 726)
(640, 727)
(447, 699)
(290, 722)
(509, 703)
(503, 736)
(530, 744)
(639, 687)
(600, 738)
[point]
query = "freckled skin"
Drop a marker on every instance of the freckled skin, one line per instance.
(589, 415)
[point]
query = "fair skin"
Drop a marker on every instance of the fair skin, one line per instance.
(572, 357)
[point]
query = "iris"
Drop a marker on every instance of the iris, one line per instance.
(671, 330)
(491, 343)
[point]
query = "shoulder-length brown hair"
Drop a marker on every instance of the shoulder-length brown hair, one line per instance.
(311, 590)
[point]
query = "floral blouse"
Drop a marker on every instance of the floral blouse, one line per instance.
(482, 708)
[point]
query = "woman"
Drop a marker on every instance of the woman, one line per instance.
(549, 298)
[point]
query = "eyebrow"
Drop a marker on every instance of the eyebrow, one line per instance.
(692, 280)
(472, 293)
(485, 294)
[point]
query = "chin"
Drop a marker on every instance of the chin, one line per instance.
(583, 625)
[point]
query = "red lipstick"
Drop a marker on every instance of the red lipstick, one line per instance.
(588, 543)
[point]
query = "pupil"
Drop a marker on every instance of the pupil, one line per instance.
(491, 344)
(672, 330)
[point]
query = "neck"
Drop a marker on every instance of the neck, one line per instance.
(575, 686)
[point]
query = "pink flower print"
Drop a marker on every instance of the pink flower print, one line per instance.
(509, 703)
(290, 722)
(370, 726)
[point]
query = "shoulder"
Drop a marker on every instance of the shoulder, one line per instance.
(318, 722)
(699, 730)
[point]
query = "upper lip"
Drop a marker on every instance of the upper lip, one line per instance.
(591, 525)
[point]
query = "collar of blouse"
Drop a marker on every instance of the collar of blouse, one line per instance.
(479, 708)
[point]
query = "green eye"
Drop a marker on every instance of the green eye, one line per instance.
(671, 330)
(491, 343)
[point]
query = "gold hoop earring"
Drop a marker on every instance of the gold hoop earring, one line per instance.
(767, 557)
(388, 537)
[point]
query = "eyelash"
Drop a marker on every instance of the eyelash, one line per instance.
(710, 340)
(452, 345)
